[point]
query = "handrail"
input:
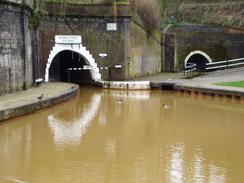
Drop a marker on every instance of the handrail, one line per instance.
(224, 64)
(190, 67)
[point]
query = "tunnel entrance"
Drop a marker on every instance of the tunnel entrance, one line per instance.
(199, 58)
(70, 66)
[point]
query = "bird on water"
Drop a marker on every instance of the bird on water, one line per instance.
(165, 107)
(120, 100)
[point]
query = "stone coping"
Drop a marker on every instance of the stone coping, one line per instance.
(29, 101)
(204, 88)
(177, 85)
(125, 85)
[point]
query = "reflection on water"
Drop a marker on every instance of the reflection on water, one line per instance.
(70, 132)
(198, 167)
(176, 165)
(216, 174)
(121, 136)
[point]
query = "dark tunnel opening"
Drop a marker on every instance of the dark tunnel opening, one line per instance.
(199, 60)
(66, 67)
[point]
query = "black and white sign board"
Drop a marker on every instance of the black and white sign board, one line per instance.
(68, 39)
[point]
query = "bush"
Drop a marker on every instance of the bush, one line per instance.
(148, 11)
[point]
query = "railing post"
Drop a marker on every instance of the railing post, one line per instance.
(68, 74)
(205, 67)
(109, 73)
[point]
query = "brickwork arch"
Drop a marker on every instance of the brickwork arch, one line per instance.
(96, 76)
(199, 53)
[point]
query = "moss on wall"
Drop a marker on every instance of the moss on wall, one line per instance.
(217, 42)
(145, 53)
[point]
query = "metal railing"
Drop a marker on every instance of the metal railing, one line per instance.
(190, 68)
(226, 64)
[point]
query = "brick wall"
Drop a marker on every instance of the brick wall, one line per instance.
(218, 42)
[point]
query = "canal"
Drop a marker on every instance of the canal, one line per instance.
(121, 136)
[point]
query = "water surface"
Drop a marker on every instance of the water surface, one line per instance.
(115, 136)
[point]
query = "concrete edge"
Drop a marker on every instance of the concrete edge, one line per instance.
(37, 105)
(125, 85)
(176, 86)
(210, 90)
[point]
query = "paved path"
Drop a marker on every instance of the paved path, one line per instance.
(23, 102)
(206, 83)
(161, 77)
(210, 78)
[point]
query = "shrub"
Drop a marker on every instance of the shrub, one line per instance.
(148, 11)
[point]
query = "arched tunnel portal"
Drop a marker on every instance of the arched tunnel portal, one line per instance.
(68, 66)
(199, 58)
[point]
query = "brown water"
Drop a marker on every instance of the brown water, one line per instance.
(96, 138)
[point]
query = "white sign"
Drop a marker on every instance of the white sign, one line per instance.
(111, 26)
(118, 66)
(67, 39)
(103, 55)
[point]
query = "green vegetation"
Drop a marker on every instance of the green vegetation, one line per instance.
(154, 13)
(148, 11)
(239, 84)
(35, 19)
(206, 12)
(89, 1)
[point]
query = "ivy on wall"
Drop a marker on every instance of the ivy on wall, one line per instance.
(35, 19)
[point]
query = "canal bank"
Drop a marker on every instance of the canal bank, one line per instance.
(34, 99)
(48, 94)
(181, 85)
(206, 84)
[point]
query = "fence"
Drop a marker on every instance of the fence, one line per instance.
(226, 64)
(190, 68)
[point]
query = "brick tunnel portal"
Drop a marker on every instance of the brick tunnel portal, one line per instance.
(199, 58)
(68, 66)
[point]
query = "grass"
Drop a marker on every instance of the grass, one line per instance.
(239, 84)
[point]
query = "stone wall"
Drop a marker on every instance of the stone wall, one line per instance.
(26, 3)
(218, 42)
(94, 37)
(121, 45)
(15, 49)
(24, 52)
(145, 52)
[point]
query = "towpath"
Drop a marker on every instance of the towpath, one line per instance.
(204, 84)
(210, 78)
(28, 101)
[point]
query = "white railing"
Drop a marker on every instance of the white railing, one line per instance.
(224, 64)
(190, 67)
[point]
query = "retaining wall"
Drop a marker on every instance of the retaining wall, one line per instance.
(16, 49)
(130, 45)
(218, 42)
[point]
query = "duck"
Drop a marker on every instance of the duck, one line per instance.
(165, 107)
(120, 100)
(41, 96)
